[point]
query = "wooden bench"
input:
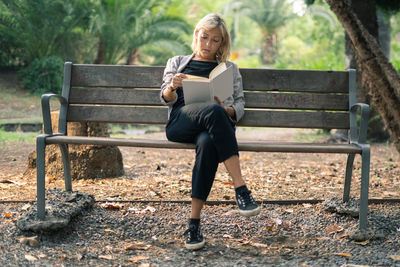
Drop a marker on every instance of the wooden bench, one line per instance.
(274, 98)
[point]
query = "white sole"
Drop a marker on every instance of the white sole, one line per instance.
(196, 246)
(249, 213)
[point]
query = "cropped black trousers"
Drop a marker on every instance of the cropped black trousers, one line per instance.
(210, 128)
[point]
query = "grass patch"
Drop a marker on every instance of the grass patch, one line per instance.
(311, 136)
(10, 137)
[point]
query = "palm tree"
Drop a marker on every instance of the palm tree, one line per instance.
(269, 15)
(42, 27)
(123, 26)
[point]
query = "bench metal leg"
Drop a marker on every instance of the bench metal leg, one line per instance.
(67, 167)
(40, 174)
(347, 181)
(365, 161)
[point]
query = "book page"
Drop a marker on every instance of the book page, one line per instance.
(197, 91)
(217, 70)
(194, 77)
(222, 85)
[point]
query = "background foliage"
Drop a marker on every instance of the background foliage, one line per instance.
(148, 32)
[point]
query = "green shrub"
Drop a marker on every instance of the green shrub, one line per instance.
(43, 75)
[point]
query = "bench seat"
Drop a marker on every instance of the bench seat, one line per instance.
(255, 146)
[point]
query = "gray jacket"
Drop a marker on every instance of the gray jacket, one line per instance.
(178, 63)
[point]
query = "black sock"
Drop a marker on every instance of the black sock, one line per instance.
(194, 221)
(241, 189)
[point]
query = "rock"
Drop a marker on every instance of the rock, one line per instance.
(351, 207)
(61, 207)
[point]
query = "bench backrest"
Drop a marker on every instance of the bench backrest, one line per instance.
(274, 98)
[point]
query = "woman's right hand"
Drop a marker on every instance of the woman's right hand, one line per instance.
(177, 80)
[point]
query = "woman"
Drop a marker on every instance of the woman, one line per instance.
(210, 126)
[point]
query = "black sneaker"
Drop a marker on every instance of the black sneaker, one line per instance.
(195, 239)
(247, 205)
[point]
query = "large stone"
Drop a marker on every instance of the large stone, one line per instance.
(337, 205)
(87, 161)
(61, 207)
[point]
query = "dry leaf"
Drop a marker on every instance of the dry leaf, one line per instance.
(395, 257)
(343, 254)
(8, 215)
(227, 183)
(111, 206)
(137, 246)
(136, 259)
(227, 236)
(148, 208)
(106, 257)
(30, 257)
(109, 230)
(362, 243)
(268, 228)
(259, 245)
(30, 241)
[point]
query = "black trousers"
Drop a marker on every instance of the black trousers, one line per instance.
(210, 128)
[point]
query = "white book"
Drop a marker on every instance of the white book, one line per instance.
(199, 89)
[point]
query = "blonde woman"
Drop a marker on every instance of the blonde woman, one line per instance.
(210, 126)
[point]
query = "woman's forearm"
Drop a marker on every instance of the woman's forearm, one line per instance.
(169, 94)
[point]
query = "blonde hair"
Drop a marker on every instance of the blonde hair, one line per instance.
(210, 22)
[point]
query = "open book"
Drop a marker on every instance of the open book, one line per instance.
(199, 89)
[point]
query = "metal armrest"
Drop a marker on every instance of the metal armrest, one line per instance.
(46, 113)
(359, 136)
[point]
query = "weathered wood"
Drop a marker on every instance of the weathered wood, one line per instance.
(116, 76)
(295, 80)
(253, 79)
(253, 118)
(296, 101)
(118, 96)
(264, 146)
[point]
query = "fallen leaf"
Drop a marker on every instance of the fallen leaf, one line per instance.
(30, 241)
(136, 259)
(227, 236)
(307, 205)
(111, 206)
(148, 208)
(106, 257)
(343, 254)
(109, 230)
(259, 245)
(137, 246)
(395, 257)
(227, 183)
(30, 257)
(268, 228)
(8, 215)
(362, 243)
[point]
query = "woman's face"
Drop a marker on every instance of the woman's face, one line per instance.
(208, 43)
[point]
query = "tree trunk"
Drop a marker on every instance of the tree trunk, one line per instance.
(133, 57)
(100, 53)
(366, 12)
(268, 52)
(377, 74)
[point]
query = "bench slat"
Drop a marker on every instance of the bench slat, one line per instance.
(296, 80)
(265, 146)
(119, 96)
(116, 76)
(254, 118)
(253, 79)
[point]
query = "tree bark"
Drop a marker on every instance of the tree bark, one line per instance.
(133, 57)
(377, 74)
(100, 53)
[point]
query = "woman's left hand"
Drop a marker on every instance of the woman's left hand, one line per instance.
(229, 110)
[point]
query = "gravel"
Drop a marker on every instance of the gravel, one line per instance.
(139, 234)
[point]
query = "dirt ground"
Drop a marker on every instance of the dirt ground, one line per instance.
(166, 174)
